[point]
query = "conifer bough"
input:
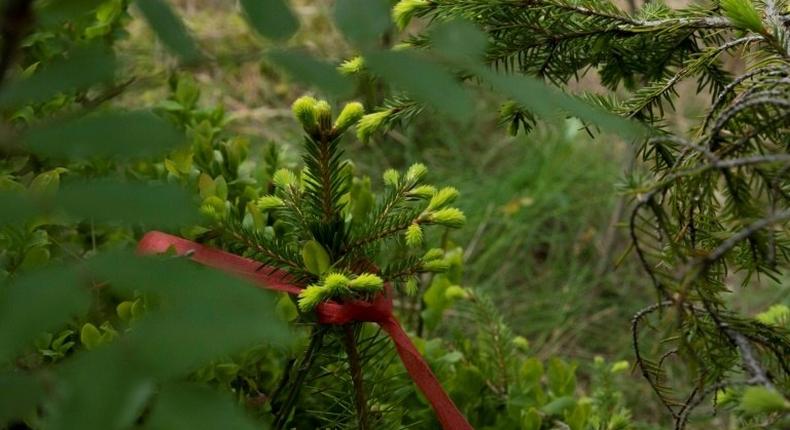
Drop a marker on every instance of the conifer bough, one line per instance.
(711, 208)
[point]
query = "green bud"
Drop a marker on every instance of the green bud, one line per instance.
(367, 282)
(269, 202)
(411, 286)
(423, 192)
(391, 177)
(284, 178)
(414, 235)
(725, 396)
(312, 296)
(323, 114)
(351, 113)
(449, 217)
(416, 172)
(336, 283)
(778, 315)
(619, 366)
(435, 266)
(455, 292)
(520, 342)
(214, 207)
(352, 66)
(405, 10)
(370, 123)
(433, 254)
(304, 110)
(444, 197)
(763, 400)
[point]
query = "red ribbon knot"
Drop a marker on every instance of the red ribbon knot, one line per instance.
(378, 310)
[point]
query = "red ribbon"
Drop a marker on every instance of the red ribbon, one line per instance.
(379, 311)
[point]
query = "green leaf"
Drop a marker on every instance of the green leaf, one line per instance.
(312, 72)
(270, 18)
(38, 302)
(134, 203)
(16, 207)
(577, 419)
(201, 315)
(363, 21)
(170, 29)
(547, 101)
(112, 401)
(286, 308)
(105, 201)
(47, 183)
(124, 310)
(54, 12)
(28, 392)
(221, 187)
(90, 336)
(561, 377)
(315, 258)
(559, 405)
(206, 186)
(34, 258)
(531, 420)
(82, 68)
(424, 80)
(762, 400)
(459, 40)
(191, 406)
(532, 372)
(109, 134)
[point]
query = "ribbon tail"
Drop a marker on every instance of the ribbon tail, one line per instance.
(448, 414)
(156, 242)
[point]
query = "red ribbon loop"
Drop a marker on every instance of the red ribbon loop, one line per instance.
(378, 310)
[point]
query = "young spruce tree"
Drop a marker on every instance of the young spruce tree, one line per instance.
(324, 228)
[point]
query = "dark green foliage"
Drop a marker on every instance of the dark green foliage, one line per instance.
(714, 210)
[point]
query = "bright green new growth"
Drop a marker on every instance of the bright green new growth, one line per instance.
(269, 202)
(448, 217)
(367, 282)
(391, 177)
(349, 116)
(414, 235)
(370, 123)
(304, 110)
(323, 231)
(442, 198)
(284, 178)
(404, 10)
(352, 66)
(744, 14)
(423, 192)
(338, 285)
